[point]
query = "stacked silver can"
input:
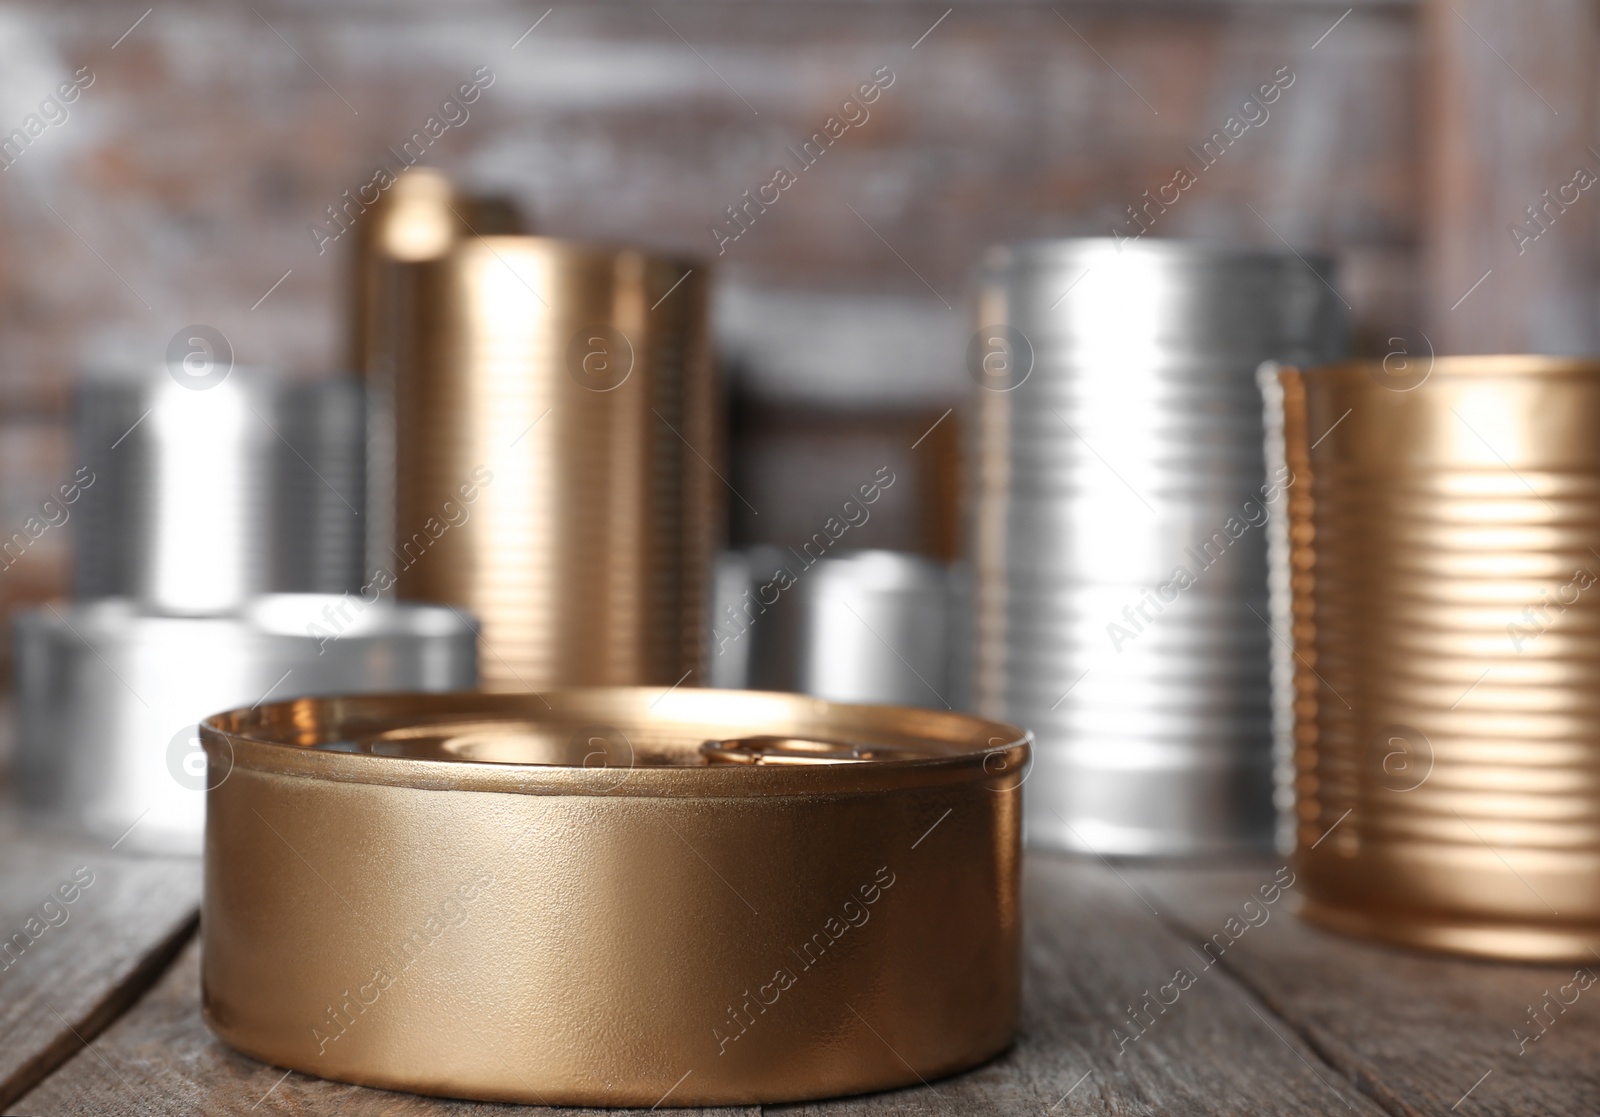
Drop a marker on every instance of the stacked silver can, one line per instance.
(204, 493)
(1120, 534)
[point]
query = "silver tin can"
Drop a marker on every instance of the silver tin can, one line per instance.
(872, 626)
(1119, 541)
(206, 494)
(109, 695)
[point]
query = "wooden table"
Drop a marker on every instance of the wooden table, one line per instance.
(100, 1013)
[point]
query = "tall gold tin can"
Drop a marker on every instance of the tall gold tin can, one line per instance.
(415, 221)
(557, 457)
(1444, 517)
(613, 896)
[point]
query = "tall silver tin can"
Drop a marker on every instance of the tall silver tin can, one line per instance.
(1119, 537)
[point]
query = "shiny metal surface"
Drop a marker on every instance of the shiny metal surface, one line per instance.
(319, 483)
(873, 626)
(180, 512)
(557, 458)
(618, 917)
(109, 694)
(1447, 631)
(415, 221)
(204, 498)
(1119, 549)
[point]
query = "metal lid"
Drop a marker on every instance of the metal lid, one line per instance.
(680, 743)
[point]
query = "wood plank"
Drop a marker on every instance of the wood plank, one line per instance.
(1418, 1032)
(84, 931)
(1093, 946)
(160, 1059)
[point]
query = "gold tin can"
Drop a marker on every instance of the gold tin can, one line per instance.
(1446, 625)
(613, 896)
(415, 221)
(557, 457)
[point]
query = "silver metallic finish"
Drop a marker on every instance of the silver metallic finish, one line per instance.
(1281, 599)
(109, 694)
(204, 498)
(319, 487)
(1119, 536)
(871, 626)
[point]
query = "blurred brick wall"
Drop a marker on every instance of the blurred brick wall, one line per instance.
(186, 180)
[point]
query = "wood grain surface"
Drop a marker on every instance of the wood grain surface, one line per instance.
(159, 1059)
(1093, 948)
(1421, 1034)
(68, 967)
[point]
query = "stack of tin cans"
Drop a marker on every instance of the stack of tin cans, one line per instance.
(205, 492)
(1120, 529)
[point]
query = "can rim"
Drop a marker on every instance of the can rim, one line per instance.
(271, 616)
(1484, 365)
(1167, 249)
(280, 738)
(571, 251)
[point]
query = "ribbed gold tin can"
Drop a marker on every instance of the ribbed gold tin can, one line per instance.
(613, 896)
(1444, 517)
(415, 221)
(557, 457)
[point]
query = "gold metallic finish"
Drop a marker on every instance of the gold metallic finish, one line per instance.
(613, 896)
(558, 458)
(417, 219)
(1446, 626)
(414, 221)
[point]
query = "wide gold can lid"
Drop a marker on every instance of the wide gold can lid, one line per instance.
(613, 896)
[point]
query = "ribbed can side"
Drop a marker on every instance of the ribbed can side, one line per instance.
(1448, 633)
(1120, 533)
(557, 464)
